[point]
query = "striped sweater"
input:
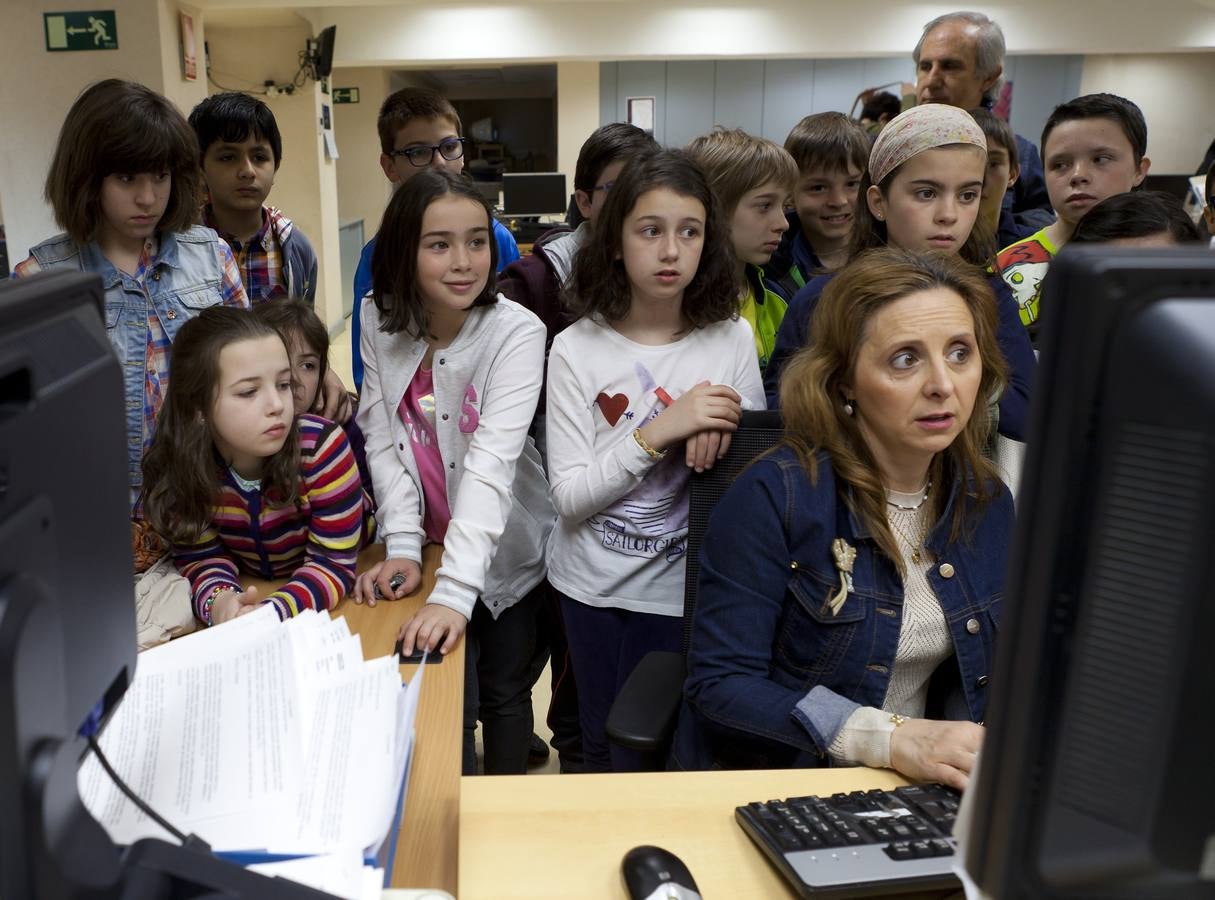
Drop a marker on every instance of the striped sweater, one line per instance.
(315, 541)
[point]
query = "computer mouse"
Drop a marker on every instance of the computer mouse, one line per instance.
(651, 873)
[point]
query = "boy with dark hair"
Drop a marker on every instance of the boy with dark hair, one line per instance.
(419, 130)
(1003, 170)
(831, 152)
(1137, 219)
(1094, 147)
(240, 150)
(879, 108)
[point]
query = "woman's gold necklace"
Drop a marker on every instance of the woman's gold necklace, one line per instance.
(917, 543)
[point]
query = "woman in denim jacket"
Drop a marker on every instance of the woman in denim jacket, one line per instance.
(850, 580)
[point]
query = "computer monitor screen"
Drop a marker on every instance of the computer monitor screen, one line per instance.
(1096, 776)
(534, 194)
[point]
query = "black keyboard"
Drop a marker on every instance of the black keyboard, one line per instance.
(863, 844)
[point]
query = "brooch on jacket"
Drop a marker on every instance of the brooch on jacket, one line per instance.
(845, 556)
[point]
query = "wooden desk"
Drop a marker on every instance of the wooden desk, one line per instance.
(427, 851)
(564, 836)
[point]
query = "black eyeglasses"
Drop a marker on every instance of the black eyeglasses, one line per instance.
(452, 148)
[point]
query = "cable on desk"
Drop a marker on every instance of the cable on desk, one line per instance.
(130, 795)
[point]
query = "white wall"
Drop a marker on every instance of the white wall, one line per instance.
(186, 94)
(363, 191)
(420, 33)
(1174, 92)
(578, 113)
(40, 86)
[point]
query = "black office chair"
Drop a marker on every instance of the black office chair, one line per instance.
(643, 715)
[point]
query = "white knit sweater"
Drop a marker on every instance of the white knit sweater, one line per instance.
(924, 643)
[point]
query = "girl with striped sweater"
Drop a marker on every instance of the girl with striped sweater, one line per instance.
(238, 485)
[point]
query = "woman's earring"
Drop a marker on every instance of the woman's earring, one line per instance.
(848, 410)
(879, 217)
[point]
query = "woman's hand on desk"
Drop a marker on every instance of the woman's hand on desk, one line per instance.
(379, 577)
(928, 750)
(433, 623)
(230, 604)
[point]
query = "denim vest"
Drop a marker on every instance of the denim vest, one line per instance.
(764, 636)
(185, 279)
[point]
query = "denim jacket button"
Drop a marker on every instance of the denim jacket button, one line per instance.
(981, 681)
(972, 626)
(946, 571)
(172, 314)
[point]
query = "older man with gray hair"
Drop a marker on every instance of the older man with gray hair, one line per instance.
(960, 61)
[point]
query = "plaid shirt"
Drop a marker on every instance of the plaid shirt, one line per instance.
(260, 259)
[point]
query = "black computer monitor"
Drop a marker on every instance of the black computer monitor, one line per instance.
(1096, 778)
(67, 611)
(67, 608)
(534, 194)
(324, 51)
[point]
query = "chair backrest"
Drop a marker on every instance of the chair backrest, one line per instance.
(757, 432)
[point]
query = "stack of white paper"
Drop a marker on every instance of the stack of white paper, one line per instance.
(264, 737)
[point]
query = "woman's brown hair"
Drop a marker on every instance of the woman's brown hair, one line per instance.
(812, 386)
(599, 284)
(121, 128)
(182, 471)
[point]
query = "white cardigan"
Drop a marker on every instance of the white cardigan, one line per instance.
(486, 385)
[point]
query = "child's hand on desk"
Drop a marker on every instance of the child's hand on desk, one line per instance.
(428, 627)
(379, 577)
(230, 604)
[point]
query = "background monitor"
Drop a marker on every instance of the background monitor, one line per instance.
(1096, 777)
(534, 194)
(324, 51)
(1176, 186)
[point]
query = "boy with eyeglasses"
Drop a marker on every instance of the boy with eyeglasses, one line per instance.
(419, 130)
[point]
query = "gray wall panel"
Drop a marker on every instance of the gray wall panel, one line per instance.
(769, 97)
(836, 83)
(738, 99)
(788, 95)
(689, 100)
(608, 92)
(643, 79)
(1040, 83)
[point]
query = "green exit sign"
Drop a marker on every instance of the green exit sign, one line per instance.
(96, 30)
(345, 95)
